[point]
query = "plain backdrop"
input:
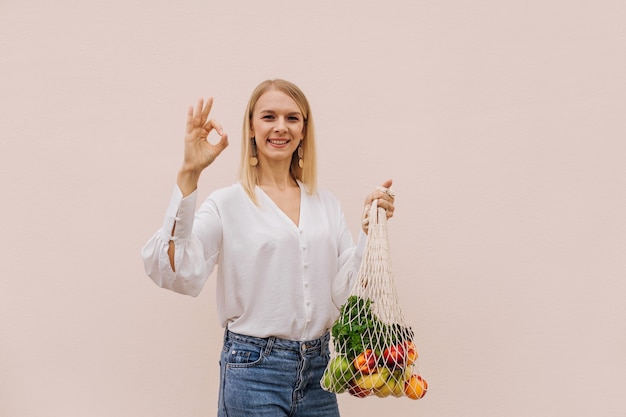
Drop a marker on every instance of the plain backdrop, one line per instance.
(500, 122)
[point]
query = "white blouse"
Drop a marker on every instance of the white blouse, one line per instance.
(274, 278)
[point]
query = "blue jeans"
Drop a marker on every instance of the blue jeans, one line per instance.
(274, 377)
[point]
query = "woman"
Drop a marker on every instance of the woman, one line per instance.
(286, 259)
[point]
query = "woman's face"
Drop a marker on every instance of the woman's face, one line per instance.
(277, 125)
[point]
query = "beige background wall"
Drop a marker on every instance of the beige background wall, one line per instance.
(501, 122)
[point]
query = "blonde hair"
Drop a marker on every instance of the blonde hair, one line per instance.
(249, 175)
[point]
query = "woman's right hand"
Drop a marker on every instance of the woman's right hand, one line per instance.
(199, 152)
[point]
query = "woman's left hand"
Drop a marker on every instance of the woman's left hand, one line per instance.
(385, 199)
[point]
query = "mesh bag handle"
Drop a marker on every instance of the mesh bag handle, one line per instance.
(373, 351)
(375, 277)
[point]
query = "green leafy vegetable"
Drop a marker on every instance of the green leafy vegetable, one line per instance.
(358, 329)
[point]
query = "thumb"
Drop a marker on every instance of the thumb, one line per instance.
(387, 183)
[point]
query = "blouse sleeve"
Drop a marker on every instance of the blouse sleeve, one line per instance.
(350, 257)
(197, 239)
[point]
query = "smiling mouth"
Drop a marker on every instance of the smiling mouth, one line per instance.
(278, 141)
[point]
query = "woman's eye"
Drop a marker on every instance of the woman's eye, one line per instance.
(268, 117)
(294, 118)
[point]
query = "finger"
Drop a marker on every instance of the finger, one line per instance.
(382, 192)
(199, 106)
(189, 118)
(385, 187)
(207, 109)
(371, 197)
(386, 204)
(379, 195)
(389, 207)
(212, 124)
(387, 198)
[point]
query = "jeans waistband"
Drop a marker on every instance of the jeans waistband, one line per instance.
(268, 343)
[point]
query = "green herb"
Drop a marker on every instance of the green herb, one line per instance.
(358, 329)
(350, 329)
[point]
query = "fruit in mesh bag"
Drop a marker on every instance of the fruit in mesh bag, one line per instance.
(400, 355)
(411, 352)
(359, 392)
(394, 385)
(372, 381)
(338, 374)
(394, 356)
(366, 362)
(416, 387)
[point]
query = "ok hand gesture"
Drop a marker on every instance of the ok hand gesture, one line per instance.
(199, 152)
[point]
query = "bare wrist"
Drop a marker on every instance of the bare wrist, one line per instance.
(187, 180)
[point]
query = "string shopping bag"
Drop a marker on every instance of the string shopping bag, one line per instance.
(373, 350)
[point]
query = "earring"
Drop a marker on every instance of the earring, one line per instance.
(253, 159)
(300, 155)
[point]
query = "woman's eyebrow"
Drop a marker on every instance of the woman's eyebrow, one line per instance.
(270, 111)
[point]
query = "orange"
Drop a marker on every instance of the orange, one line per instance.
(416, 387)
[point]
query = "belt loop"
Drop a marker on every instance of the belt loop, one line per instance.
(269, 345)
(225, 334)
(324, 342)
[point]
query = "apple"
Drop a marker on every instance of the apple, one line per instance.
(358, 391)
(332, 384)
(395, 356)
(365, 363)
(411, 352)
(337, 374)
(329, 383)
(341, 367)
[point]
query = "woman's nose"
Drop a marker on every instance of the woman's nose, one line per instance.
(281, 126)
